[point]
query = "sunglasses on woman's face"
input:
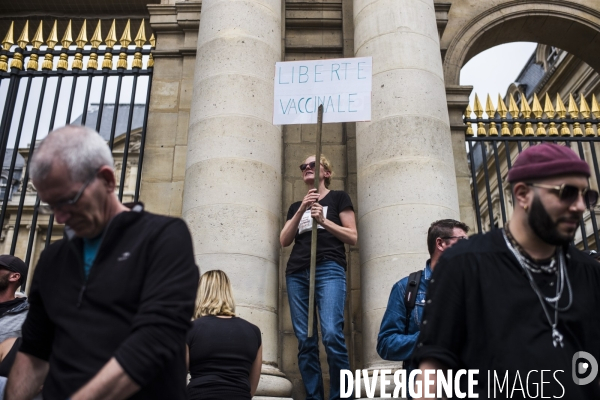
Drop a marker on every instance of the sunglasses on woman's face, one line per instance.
(310, 164)
(569, 194)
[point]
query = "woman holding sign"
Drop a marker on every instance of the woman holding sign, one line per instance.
(334, 213)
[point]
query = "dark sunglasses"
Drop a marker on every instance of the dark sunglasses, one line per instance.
(310, 164)
(569, 193)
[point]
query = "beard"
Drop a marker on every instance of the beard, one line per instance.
(544, 227)
(4, 283)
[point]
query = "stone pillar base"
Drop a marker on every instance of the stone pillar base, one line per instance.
(273, 385)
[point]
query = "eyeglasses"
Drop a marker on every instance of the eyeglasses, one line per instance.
(455, 237)
(50, 208)
(569, 193)
(311, 164)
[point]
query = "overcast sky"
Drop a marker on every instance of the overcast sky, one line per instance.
(493, 70)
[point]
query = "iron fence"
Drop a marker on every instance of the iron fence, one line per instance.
(491, 154)
(110, 97)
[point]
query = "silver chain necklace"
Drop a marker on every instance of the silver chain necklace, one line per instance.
(557, 337)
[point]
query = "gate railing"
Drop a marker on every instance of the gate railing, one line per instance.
(102, 86)
(507, 131)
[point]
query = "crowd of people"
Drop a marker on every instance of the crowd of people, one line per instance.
(117, 309)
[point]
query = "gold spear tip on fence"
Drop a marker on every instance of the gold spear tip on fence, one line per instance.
(38, 38)
(126, 36)
(97, 36)
(560, 107)
(152, 41)
(477, 109)
(111, 38)
(489, 107)
(525, 109)
(67, 37)
(140, 38)
(9, 39)
(595, 106)
(537, 107)
(24, 38)
(548, 108)
(468, 111)
(573, 111)
(53, 37)
(583, 106)
(82, 37)
(502, 110)
(512, 107)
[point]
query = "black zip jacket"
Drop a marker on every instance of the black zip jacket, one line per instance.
(136, 306)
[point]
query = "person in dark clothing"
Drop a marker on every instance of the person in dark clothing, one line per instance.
(334, 214)
(224, 351)
(522, 300)
(13, 309)
(110, 304)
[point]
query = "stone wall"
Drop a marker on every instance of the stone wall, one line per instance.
(176, 27)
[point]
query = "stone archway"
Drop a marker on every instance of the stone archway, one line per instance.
(573, 26)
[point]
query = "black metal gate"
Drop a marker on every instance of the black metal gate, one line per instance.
(500, 138)
(79, 84)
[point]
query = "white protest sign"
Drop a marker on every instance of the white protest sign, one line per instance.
(342, 85)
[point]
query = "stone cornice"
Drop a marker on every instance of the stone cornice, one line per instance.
(441, 16)
(458, 96)
(305, 15)
(184, 51)
(178, 17)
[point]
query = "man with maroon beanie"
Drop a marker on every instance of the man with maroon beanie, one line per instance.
(522, 304)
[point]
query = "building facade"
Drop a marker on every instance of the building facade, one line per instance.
(213, 156)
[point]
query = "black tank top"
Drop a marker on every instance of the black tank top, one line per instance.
(8, 361)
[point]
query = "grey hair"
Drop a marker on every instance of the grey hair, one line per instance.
(81, 149)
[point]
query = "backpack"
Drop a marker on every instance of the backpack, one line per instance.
(410, 296)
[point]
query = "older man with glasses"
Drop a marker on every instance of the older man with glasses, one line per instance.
(400, 325)
(110, 304)
(521, 304)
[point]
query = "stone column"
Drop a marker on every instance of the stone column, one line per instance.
(233, 182)
(406, 176)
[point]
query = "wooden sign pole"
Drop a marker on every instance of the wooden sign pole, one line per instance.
(313, 245)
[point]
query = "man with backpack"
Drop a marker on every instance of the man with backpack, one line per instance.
(400, 325)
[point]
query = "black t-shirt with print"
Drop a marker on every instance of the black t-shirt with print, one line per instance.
(329, 248)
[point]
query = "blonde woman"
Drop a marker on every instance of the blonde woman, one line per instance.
(334, 213)
(224, 351)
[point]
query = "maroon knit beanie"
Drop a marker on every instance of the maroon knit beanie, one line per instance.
(545, 160)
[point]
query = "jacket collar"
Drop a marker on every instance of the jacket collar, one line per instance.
(23, 306)
(427, 271)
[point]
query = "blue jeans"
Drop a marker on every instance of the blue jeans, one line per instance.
(330, 296)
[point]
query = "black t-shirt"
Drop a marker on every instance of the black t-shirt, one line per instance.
(9, 359)
(222, 351)
(481, 313)
(329, 248)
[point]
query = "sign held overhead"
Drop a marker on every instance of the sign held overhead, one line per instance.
(342, 85)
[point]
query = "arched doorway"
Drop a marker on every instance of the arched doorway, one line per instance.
(566, 25)
(476, 27)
